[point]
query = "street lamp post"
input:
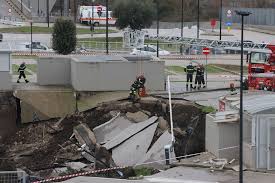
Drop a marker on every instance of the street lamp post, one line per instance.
(107, 27)
(198, 20)
(242, 14)
(221, 20)
(31, 35)
(38, 8)
(48, 13)
(157, 2)
(93, 1)
(181, 46)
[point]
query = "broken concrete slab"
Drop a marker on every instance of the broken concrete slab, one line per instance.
(129, 132)
(76, 165)
(131, 151)
(84, 135)
(110, 129)
(156, 152)
(137, 116)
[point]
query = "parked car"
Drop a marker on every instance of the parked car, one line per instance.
(193, 50)
(1, 37)
(36, 47)
(149, 50)
(218, 51)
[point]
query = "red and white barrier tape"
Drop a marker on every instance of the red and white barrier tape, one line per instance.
(65, 177)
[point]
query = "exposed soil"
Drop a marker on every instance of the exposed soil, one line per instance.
(37, 148)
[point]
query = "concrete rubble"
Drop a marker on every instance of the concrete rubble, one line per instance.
(129, 132)
(156, 152)
(135, 148)
(110, 129)
(118, 133)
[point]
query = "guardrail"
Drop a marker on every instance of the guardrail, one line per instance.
(13, 177)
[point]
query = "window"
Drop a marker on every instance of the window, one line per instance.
(151, 49)
(258, 58)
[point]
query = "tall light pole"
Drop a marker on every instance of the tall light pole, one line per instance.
(157, 2)
(198, 19)
(48, 13)
(38, 7)
(75, 10)
(107, 27)
(181, 46)
(221, 20)
(31, 36)
(242, 14)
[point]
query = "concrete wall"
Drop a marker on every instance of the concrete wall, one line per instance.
(211, 135)
(54, 71)
(5, 81)
(259, 16)
(45, 104)
(5, 67)
(116, 76)
(249, 157)
(221, 138)
(7, 114)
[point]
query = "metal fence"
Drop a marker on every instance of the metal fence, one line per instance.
(259, 16)
(13, 177)
(118, 46)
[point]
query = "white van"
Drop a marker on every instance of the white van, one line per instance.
(95, 15)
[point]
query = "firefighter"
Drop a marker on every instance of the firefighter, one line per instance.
(136, 87)
(21, 71)
(233, 90)
(198, 78)
(202, 75)
(190, 69)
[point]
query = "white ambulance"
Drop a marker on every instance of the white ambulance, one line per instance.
(95, 15)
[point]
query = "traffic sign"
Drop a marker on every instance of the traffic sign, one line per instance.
(206, 51)
(229, 13)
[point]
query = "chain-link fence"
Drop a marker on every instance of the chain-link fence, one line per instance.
(13, 177)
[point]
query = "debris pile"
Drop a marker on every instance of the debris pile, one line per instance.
(117, 133)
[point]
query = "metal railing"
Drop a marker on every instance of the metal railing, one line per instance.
(208, 42)
(97, 45)
(13, 177)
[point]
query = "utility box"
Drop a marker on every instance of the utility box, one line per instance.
(113, 73)
(222, 130)
(5, 70)
(54, 70)
(222, 136)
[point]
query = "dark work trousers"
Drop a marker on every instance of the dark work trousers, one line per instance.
(198, 80)
(202, 79)
(22, 74)
(189, 80)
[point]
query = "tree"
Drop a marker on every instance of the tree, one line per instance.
(64, 36)
(135, 14)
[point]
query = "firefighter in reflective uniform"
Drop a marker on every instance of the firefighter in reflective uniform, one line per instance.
(136, 87)
(21, 71)
(190, 69)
